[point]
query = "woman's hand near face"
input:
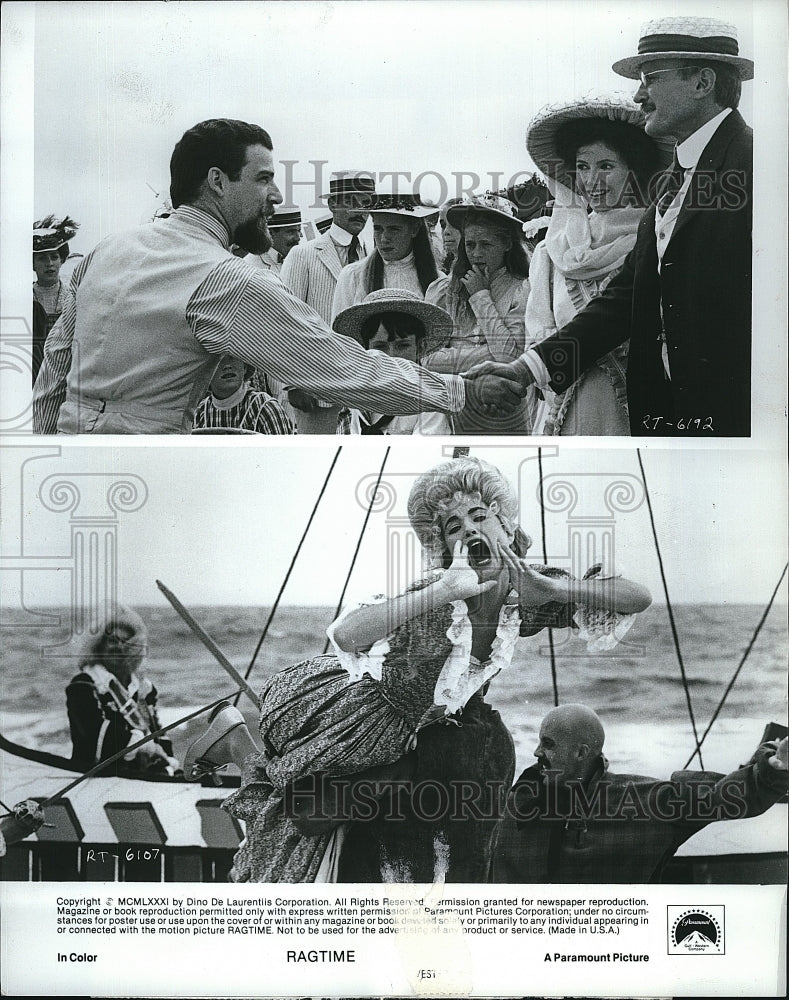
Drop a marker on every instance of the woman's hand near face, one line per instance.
(533, 588)
(476, 280)
(460, 580)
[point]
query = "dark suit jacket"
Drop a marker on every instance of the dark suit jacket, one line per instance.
(705, 289)
(624, 827)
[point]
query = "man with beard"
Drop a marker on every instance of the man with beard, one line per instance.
(570, 819)
(156, 306)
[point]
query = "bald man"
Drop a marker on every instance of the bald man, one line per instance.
(570, 819)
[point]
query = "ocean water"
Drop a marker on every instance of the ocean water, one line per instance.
(636, 690)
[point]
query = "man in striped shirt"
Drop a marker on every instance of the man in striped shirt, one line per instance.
(154, 307)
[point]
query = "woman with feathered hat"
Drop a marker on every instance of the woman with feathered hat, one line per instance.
(599, 162)
(50, 250)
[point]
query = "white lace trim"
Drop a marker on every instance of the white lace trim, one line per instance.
(462, 674)
(360, 663)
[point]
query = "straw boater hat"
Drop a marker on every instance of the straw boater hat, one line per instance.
(545, 126)
(491, 204)
(285, 217)
(51, 233)
(351, 182)
(437, 322)
(409, 205)
(688, 38)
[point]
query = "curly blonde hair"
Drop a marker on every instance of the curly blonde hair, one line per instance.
(435, 491)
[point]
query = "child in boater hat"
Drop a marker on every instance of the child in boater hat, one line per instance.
(50, 296)
(399, 323)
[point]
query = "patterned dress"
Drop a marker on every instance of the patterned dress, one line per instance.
(418, 689)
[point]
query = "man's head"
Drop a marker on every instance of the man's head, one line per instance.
(571, 741)
(678, 96)
(351, 194)
(285, 238)
(689, 70)
(285, 229)
(350, 211)
(226, 167)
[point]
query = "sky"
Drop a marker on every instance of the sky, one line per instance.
(219, 525)
(443, 87)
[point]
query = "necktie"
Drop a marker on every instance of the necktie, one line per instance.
(353, 250)
(673, 182)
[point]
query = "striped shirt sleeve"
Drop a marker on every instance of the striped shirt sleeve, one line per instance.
(245, 312)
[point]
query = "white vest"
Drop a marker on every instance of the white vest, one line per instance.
(136, 365)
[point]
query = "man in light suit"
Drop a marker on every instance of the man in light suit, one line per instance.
(683, 296)
(311, 271)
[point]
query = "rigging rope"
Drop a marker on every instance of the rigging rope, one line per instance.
(359, 543)
(275, 605)
(670, 609)
(554, 679)
(745, 655)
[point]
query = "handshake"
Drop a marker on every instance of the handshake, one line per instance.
(494, 389)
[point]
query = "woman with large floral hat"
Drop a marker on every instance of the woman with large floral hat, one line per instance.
(400, 706)
(599, 162)
(485, 295)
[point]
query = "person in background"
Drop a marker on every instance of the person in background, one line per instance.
(450, 237)
(486, 296)
(111, 705)
(570, 819)
(311, 271)
(234, 404)
(600, 163)
(399, 323)
(285, 229)
(50, 251)
(402, 258)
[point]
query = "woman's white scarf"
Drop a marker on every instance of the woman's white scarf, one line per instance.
(584, 246)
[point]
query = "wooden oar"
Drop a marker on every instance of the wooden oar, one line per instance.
(209, 644)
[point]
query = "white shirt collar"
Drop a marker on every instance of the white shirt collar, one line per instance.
(689, 151)
(272, 256)
(233, 400)
(341, 236)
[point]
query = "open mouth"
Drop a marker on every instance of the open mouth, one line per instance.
(479, 554)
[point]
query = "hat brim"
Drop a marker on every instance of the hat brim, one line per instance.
(632, 66)
(544, 127)
(437, 322)
(456, 216)
(418, 212)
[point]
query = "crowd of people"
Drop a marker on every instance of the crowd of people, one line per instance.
(632, 315)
